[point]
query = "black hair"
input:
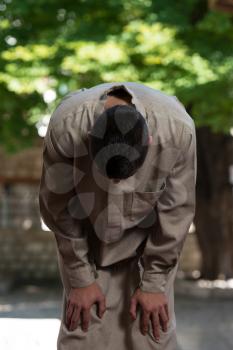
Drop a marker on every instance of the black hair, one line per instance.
(119, 141)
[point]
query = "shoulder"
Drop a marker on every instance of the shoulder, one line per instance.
(67, 122)
(161, 105)
(68, 106)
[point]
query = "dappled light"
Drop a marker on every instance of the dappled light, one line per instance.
(51, 53)
(44, 58)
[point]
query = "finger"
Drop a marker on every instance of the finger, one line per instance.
(67, 304)
(163, 318)
(167, 312)
(155, 324)
(75, 318)
(102, 307)
(85, 319)
(133, 308)
(145, 317)
(69, 311)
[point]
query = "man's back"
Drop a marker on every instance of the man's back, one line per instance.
(99, 224)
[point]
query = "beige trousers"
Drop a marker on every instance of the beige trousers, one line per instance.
(116, 330)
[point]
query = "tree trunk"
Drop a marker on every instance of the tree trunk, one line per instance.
(214, 211)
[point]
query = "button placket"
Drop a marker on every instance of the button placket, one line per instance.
(115, 207)
(114, 217)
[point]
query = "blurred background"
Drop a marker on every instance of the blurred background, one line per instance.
(51, 47)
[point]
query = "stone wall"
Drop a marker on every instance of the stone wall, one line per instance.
(31, 255)
(26, 251)
(22, 166)
(27, 255)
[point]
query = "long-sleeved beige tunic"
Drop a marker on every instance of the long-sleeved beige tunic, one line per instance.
(97, 222)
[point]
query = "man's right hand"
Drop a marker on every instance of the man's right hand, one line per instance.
(79, 303)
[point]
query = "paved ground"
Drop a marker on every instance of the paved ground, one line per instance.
(204, 324)
(29, 320)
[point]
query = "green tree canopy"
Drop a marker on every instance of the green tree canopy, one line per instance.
(50, 47)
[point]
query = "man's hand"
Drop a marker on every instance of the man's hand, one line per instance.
(79, 303)
(154, 308)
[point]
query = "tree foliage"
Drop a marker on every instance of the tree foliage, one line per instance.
(50, 47)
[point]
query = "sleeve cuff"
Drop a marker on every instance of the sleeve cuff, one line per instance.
(155, 283)
(81, 277)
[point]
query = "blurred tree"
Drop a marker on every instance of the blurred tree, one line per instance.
(222, 5)
(50, 47)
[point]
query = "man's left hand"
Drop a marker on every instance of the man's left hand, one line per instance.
(154, 308)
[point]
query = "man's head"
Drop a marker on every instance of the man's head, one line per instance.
(119, 141)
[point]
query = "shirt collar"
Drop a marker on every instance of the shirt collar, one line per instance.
(99, 108)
